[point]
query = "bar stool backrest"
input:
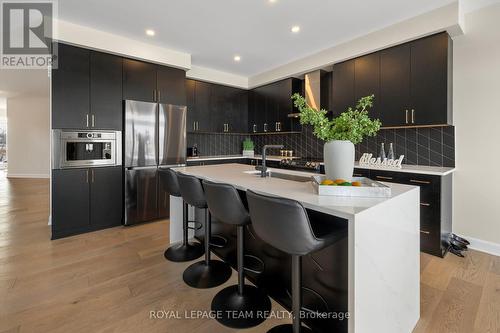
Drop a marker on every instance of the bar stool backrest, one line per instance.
(225, 203)
(282, 223)
(192, 190)
(171, 183)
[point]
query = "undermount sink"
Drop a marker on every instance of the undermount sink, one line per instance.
(285, 176)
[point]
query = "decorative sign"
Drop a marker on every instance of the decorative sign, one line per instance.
(369, 161)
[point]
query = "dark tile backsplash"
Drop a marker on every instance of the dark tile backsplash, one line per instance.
(433, 146)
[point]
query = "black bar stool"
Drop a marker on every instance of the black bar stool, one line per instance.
(226, 206)
(284, 224)
(206, 273)
(185, 251)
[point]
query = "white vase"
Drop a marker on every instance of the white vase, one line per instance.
(339, 159)
(248, 153)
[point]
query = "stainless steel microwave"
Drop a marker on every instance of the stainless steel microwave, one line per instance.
(81, 149)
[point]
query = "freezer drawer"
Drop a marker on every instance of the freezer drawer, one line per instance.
(141, 195)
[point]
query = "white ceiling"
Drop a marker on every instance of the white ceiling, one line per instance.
(213, 31)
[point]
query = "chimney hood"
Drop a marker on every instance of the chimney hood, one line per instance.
(312, 90)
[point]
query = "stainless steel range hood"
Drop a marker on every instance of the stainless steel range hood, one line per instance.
(312, 89)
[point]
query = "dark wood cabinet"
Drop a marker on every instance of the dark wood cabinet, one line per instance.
(411, 82)
(106, 200)
(343, 95)
(106, 100)
(395, 86)
(435, 205)
(191, 105)
(367, 80)
(71, 89)
(70, 201)
(216, 108)
(198, 101)
(270, 106)
(85, 200)
(171, 86)
(204, 102)
(431, 81)
(139, 81)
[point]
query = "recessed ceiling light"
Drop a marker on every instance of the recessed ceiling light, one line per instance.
(272, 1)
(150, 32)
(295, 29)
(237, 58)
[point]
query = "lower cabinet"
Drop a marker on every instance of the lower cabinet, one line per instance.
(435, 205)
(86, 199)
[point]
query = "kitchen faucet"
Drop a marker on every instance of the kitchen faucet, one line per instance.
(263, 172)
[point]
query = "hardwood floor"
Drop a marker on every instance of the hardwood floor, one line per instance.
(109, 281)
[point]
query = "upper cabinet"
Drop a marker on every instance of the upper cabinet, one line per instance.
(105, 91)
(171, 85)
(147, 82)
(270, 106)
(342, 87)
(88, 88)
(216, 108)
(411, 82)
(367, 80)
(395, 87)
(139, 81)
(71, 88)
(431, 80)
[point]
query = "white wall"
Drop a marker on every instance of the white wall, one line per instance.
(476, 71)
(28, 137)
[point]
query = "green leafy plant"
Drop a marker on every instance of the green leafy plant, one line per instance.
(248, 144)
(352, 125)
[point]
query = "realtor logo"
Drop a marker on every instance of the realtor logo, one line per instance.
(27, 29)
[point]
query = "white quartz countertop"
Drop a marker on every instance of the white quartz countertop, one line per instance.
(235, 157)
(417, 169)
(245, 177)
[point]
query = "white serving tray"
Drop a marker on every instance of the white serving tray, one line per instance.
(369, 188)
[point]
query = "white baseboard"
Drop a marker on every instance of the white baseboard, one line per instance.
(483, 246)
(27, 175)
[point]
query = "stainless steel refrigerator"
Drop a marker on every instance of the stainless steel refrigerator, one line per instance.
(154, 138)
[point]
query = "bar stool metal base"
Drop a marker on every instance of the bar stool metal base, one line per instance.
(288, 328)
(184, 252)
(200, 275)
(253, 303)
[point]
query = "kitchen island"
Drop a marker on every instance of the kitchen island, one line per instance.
(372, 276)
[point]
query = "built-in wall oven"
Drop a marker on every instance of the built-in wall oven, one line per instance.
(82, 149)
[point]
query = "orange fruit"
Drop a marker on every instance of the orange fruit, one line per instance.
(356, 183)
(327, 182)
(339, 181)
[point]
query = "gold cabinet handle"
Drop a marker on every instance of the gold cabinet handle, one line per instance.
(412, 116)
(383, 177)
(87, 120)
(93, 176)
(420, 181)
(425, 204)
(425, 232)
(93, 120)
(406, 116)
(87, 175)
